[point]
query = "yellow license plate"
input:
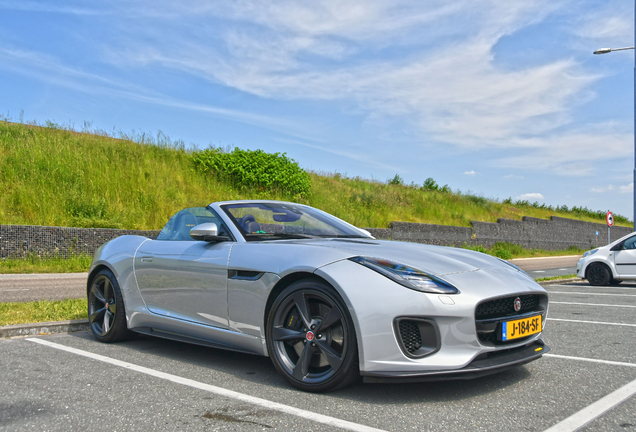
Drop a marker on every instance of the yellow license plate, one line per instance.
(520, 328)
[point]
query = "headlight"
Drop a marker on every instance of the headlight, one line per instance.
(406, 276)
(590, 252)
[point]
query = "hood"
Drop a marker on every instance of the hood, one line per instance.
(436, 260)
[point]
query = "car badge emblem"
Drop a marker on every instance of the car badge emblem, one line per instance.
(310, 336)
(517, 304)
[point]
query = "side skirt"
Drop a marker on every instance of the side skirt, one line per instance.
(150, 331)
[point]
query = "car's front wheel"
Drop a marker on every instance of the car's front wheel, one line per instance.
(311, 339)
(106, 313)
(598, 274)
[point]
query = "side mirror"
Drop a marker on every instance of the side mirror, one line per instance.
(207, 232)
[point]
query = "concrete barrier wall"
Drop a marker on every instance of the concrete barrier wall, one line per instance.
(556, 233)
(17, 241)
(532, 233)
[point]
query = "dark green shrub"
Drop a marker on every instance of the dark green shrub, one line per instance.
(430, 184)
(247, 168)
(502, 253)
(397, 180)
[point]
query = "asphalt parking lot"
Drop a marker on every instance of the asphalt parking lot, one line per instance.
(70, 382)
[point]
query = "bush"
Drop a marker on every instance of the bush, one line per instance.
(430, 184)
(502, 253)
(397, 180)
(247, 168)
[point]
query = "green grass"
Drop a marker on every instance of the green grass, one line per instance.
(556, 278)
(43, 311)
(35, 264)
(57, 177)
(508, 251)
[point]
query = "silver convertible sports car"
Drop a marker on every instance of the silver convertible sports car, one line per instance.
(323, 299)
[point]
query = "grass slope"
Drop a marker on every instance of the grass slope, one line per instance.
(52, 176)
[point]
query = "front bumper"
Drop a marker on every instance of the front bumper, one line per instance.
(485, 364)
(580, 268)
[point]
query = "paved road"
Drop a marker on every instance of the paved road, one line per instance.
(21, 288)
(34, 287)
(548, 266)
(149, 383)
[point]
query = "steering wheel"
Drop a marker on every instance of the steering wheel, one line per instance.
(245, 221)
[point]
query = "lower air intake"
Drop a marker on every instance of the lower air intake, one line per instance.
(417, 337)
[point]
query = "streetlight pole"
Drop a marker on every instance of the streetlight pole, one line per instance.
(609, 50)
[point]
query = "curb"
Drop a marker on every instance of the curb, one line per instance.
(558, 281)
(34, 329)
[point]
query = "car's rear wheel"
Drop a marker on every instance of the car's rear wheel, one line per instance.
(311, 339)
(598, 274)
(106, 313)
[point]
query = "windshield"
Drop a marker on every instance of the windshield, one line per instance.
(273, 221)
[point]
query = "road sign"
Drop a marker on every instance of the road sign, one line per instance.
(610, 219)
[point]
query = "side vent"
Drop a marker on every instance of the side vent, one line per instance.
(244, 275)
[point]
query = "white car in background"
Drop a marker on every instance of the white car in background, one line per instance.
(609, 264)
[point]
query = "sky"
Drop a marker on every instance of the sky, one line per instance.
(502, 99)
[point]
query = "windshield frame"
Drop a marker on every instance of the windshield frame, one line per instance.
(341, 228)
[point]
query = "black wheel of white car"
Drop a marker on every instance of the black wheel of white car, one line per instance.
(598, 274)
(311, 339)
(106, 313)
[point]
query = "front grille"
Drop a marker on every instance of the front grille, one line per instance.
(506, 306)
(410, 334)
(490, 314)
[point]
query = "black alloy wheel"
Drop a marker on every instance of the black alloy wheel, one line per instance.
(106, 313)
(311, 339)
(598, 274)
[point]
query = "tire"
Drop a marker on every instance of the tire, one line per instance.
(106, 313)
(598, 274)
(311, 339)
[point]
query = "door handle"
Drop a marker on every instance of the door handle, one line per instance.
(146, 259)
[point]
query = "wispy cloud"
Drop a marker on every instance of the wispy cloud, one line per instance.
(611, 23)
(626, 188)
(52, 7)
(444, 85)
(360, 157)
(51, 70)
(602, 189)
(448, 87)
(470, 173)
(535, 196)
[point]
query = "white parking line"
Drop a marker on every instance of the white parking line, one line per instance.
(590, 413)
(592, 322)
(8, 290)
(585, 359)
(593, 287)
(308, 415)
(593, 304)
(597, 294)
